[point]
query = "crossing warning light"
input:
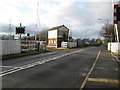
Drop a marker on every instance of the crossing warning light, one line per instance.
(20, 30)
(116, 13)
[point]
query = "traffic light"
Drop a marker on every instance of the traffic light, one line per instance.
(118, 13)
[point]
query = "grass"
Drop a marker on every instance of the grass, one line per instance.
(10, 56)
(81, 46)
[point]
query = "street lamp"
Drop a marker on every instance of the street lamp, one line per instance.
(107, 20)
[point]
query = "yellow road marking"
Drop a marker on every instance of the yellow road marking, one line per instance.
(104, 80)
(85, 80)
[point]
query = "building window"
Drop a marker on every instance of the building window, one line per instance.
(55, 41)
(51, 41)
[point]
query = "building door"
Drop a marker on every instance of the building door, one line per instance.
(59, 42)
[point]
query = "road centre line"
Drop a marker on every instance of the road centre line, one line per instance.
(12, 68)
(86, 78)
(38, 63)
(115, 57)
(9, 70)
(9, 66)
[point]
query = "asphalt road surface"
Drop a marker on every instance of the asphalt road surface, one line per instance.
(91, 67)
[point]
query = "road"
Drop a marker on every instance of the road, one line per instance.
(91, 67)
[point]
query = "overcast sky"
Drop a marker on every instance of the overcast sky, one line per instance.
(80, 16)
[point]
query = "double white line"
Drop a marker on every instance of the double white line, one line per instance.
(10, 71)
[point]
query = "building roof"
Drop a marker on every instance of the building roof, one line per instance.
(57, 27)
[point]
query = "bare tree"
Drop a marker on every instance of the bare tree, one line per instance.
(43, 35)
(108, 32)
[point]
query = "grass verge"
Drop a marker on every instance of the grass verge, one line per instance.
(82, 46)
(10, 56)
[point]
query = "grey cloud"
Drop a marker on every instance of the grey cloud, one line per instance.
(30, 28)
(5, 28)
(80, 17)
(85, 16)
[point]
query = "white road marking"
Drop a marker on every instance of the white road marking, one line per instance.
(12, 68)
(85, 80)
(115, 57)
(38, 63)
(8, 70)
(9, 66)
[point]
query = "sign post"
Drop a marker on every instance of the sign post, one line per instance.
(20, 30)
(117, 19)
(20, 33)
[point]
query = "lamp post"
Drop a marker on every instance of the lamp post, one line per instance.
(106, 22)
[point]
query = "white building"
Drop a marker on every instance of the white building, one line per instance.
(57, 35)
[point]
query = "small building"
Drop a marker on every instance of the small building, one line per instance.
(57, 35)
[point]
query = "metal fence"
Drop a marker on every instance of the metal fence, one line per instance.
(28, 45)
(18, 46)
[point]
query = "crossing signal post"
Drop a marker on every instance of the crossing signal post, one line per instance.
(20, 30)
(117, 18)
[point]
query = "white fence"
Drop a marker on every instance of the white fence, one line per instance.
(64, 44)
(68, 44)
(10, 46)
(72, 44)
(114, 47)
